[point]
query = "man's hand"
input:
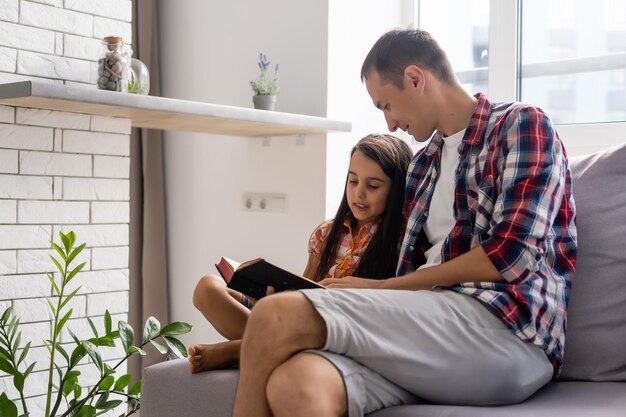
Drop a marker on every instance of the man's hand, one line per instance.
(351, 282)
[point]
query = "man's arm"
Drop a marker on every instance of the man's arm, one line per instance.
(473, 266)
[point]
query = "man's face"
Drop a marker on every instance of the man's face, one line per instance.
(404, 109)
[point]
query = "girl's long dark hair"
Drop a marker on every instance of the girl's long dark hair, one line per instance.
(380, 257)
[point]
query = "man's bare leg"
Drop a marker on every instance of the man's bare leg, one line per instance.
(279, 326)
(307, 385)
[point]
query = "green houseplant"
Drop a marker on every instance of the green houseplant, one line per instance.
(66, 397)
(265, 86)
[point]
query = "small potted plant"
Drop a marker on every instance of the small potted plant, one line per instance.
(265, 87)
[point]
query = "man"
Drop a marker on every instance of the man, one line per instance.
(476, 315)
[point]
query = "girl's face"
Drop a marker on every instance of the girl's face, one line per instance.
(367, 189)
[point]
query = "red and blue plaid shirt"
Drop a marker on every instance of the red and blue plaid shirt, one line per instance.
(513, 197)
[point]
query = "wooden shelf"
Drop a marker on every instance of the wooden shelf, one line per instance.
(166, 113)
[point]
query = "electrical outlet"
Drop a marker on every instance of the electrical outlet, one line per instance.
(264, 202)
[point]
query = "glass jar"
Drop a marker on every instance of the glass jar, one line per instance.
(113, 65)
(139, 77)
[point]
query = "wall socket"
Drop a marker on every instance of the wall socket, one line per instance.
(264, 202)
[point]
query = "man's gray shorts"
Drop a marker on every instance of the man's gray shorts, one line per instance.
(400, 347)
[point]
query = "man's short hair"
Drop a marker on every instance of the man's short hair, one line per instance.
(399, 48)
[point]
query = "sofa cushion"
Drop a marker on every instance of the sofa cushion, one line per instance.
(563, 398)
(170, 390)
(595, 342)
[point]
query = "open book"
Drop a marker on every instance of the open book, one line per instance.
(253, 277)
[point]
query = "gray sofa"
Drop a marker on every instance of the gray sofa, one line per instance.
(593, 381)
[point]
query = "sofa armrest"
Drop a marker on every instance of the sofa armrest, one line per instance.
(170, 390)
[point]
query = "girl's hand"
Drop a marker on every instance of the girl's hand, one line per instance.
(352, 282)
(270, 290)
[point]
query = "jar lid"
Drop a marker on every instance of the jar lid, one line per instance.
(113, 40)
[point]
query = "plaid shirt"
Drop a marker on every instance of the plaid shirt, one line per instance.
(350, 248)
(513, 197)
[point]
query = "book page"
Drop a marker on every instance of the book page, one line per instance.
(226, 267)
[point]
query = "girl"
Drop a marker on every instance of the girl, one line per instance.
(362, 240)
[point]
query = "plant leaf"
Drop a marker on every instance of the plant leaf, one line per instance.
(103, 341)
(13, 328)
(126, 335)
(16, 342)
(72, 236)
(76, 339)
(69, 297)
(75, 252)
(151, 329)
(18, 381)
(71, 374)
(60, 252)
(93, 327)
(108, 326)
(4, 354)
(53, 309)
(6, 367)
(78, 353)
(176, 346)
(69, 385)
(106, 383)
(62, 323)
(47, 343)
(176, 328)
(94, 354)
(135, 389)
(122, 382)
(162, 349)
(135, 349)
(29, 370)
(7, 407)
(54, 284)
(66, 241)
(103, 398)
(74, 272)
(5, 315)
(87, 411)
(24, 353)
(63, 352)
(109, 405)
(108, 370)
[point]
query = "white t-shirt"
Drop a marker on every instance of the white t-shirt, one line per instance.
(441, 219)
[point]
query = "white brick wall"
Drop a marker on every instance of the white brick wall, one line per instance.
(8, 10)
(109, 166)
(110, 212)
(7, 114)
(58, 173)
(61, 171)
(56, 39)
(8, 162)
(8, 59)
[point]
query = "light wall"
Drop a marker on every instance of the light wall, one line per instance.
(209, 53)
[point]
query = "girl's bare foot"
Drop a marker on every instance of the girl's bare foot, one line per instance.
(205, 357)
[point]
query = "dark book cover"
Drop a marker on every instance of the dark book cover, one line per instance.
(253, 277)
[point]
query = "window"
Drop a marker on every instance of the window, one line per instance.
(565, 56)
(462, 29)
(573, 56)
